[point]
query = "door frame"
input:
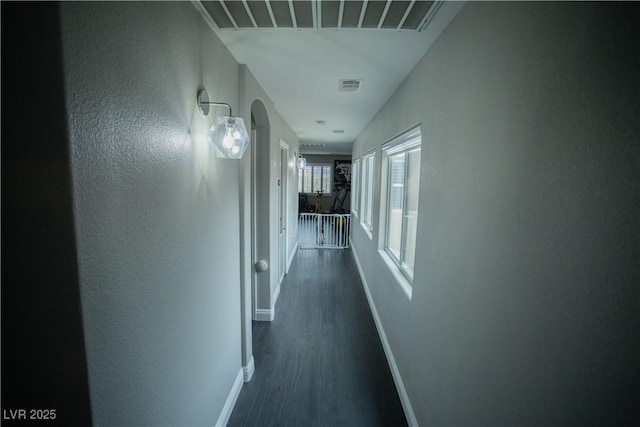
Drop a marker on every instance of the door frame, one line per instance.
(283, 209)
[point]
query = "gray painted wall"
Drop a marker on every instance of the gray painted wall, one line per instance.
(157, 215)
(525, 297)
(267, 158)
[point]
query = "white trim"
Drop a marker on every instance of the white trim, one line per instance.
(283, 200)
(407, 144)
(271, 15)
(292, 256)
(314, 14)
(384, 14)
(397, 273)
(406, 141)
(223, 419)
(229, 15)
(366, 199)
(247, 371)
(276, 294)
(430, 14)
(267, 315)
(249, 13)
(264, 315)
(406, 14)
(293, 14)
(355, 184)
(363, 9)
(395, 373)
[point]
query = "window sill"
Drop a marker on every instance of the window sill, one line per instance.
(405, 285)
(367, 230)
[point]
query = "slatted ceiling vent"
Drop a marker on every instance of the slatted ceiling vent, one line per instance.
(395, 15)
(349, 85)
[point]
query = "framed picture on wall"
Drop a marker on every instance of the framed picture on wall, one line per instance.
(341, 175)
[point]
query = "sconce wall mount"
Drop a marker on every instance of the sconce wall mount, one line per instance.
(301, 162)
(228, 134)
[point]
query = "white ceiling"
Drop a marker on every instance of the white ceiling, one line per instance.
(300, 69)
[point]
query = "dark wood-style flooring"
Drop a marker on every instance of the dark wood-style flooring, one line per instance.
(320, 362)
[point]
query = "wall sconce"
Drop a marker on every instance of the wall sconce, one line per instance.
(301, 162)
(228, 134)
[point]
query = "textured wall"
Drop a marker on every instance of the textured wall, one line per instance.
(525, 297)
(157, 214)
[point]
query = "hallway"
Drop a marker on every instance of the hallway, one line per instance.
(320, 362)
(495, 183)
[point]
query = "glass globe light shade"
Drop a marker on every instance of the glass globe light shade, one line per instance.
(229, 137)
(302, 162)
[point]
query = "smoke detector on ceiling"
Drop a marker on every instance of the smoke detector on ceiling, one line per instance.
(350, 85)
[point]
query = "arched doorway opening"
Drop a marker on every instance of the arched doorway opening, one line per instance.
(255, 285)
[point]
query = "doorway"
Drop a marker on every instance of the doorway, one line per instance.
(254, 203)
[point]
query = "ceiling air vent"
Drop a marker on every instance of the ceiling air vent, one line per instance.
(349, 85)
(396, 15)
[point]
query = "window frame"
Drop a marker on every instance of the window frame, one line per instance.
(355, 187)
(406, 143)
(301, 180)
(367, 191)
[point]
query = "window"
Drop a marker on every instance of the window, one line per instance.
(314, 178)
(367, 191)
(402, 156)
(355, 183)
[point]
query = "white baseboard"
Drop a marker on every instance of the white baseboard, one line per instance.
(293, 254)
(267, 315)
(264, 315)
(223, 419)
(276, 294)
(395, 373)
(248, 370)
